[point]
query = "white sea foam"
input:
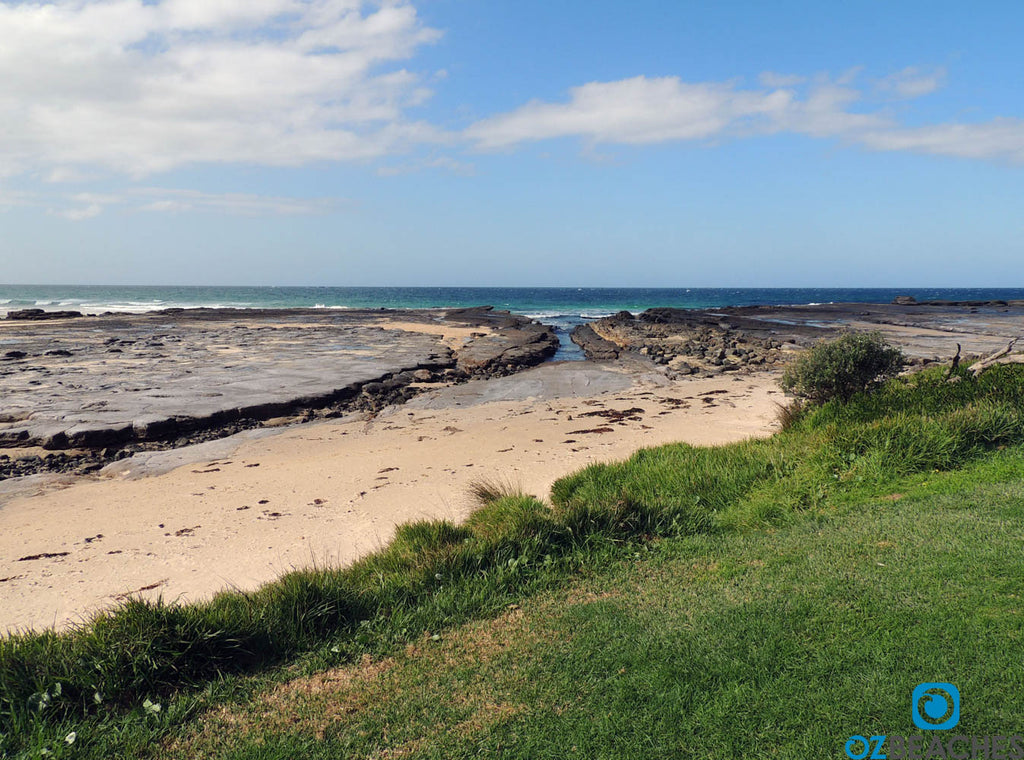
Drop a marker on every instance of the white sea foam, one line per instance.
(542, 315)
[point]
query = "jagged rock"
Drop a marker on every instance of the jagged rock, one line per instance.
(681, 366)
(594, 346)
(520, 344)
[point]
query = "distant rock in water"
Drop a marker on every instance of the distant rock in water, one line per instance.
(993, 303)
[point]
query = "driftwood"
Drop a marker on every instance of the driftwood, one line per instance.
(999, 357)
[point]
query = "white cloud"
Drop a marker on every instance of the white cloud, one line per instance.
(913, 82)
(826, 111)
(80, 213)
(447, 163)
(138, 87)
(11, 198)
(244, 204)
(62, 174)
(641, 110)
(999, 139)
(80, 206)
(636, 111)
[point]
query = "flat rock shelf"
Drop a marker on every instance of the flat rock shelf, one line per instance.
(173, 377)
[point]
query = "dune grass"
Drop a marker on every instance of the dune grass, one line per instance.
(101, 683)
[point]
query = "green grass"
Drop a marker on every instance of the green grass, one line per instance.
(826, 471)
(746, 644)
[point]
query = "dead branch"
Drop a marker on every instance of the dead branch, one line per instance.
(999, 357)
(954, 364)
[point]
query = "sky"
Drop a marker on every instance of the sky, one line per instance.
(512, 143)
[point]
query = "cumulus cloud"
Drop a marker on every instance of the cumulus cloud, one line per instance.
(634, 111)
(140, 87)
(90, 88)
(643, 110)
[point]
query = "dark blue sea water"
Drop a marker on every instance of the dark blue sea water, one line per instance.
(561, 307)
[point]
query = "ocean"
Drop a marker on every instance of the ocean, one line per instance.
(563, 308)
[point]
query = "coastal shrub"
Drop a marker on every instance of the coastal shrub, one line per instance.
(843, 367)
(923, 393)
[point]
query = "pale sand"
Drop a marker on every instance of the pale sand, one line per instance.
(327, 493)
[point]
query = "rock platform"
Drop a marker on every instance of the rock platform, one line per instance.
(90, 389)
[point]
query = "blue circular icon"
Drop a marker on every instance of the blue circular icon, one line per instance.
(936, 707)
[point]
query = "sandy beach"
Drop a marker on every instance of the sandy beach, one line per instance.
(240, 511)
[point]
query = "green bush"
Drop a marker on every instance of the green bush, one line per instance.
(842, 368)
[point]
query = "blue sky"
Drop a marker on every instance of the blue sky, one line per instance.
(463, 142)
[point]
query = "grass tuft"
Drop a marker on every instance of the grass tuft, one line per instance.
(787, 415)
(485, 491)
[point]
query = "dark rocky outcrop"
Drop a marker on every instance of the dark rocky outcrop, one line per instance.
(684, 341)
(992, 303)
(594, 346)
(749, 338)
(508, 350)
(37, 315)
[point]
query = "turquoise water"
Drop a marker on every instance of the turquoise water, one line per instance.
(562, 307)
